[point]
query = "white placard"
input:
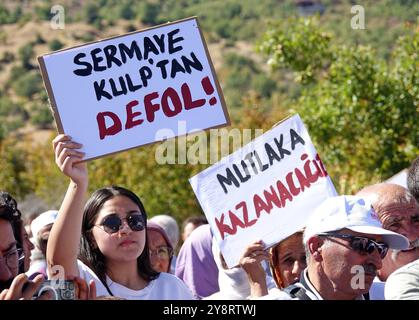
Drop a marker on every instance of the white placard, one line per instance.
(116, 94)
(266, 190)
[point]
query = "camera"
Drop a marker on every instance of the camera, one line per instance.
(61, 289)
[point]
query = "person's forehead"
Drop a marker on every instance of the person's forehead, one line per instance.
(293, 242)
(397, 208)
(7, 239)
(155, 238)
(120, 205)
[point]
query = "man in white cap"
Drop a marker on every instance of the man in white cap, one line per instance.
(345, 244)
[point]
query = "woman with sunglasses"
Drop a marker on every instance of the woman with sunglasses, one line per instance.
(113, 251)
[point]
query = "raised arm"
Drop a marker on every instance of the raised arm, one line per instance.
(251, 263)
(64, 239)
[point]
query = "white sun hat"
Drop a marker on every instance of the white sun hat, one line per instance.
(354, 213)
(44, 219)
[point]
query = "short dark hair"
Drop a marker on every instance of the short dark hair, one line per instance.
(89, 253)
(10, 212)
(195, 220)
(413, 179)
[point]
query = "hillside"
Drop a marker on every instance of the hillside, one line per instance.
(232, 29)
(256, 95)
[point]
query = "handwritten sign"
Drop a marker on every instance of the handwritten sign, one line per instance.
(116, 94)
(266, 190)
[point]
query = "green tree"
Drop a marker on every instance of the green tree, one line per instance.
(55, 45)
(12, 115)
(7, 16)
(26, 54)
(13, 167)
(41, 116)
(242, 75)
(148, 13)
(91, 14)
(28, 84)
(126, 12)
(361, 111)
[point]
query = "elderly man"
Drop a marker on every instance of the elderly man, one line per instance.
(413, 179)
(345, 245)
(398, 212)
(403, 284)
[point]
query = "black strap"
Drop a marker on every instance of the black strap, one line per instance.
(297, 292)
(107, 288)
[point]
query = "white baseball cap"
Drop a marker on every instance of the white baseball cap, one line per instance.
(354, 213)
(44, 219)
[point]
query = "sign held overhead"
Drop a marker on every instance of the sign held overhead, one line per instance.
(263, 191)
(116, 94)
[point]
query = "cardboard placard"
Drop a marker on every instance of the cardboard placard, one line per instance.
(116, 94)
(266, 190)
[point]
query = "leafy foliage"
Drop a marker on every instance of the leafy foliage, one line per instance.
(28, 84)
(361, 111)
(9, 16)
(13, 168)
(55, 45)
(41, 116)
(26, 53)
(302, 48)
(13, 115)
(359, 102)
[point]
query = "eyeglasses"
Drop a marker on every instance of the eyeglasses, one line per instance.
(113, 223)
(361, 244)
(163, 253)
(13, 258)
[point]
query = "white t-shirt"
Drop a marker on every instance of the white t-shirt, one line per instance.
(377, 289)
(165, 287)
(403, 284)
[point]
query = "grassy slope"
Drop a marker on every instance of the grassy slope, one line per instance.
(241, 22)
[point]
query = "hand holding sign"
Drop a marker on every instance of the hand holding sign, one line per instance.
(265, 190)
(250, 261)
(116, 94)
(67, 158)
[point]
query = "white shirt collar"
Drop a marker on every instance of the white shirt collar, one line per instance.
(313, 290)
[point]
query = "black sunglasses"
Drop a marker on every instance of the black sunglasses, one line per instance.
(113, 223)
(361, 244)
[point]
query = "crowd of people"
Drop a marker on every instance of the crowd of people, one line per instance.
(353, 247)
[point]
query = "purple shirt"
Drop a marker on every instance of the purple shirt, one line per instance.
(195, 263)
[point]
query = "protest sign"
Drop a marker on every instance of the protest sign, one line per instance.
(116, 94)
(266, 190)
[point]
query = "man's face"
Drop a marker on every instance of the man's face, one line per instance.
(188, 230)
(9, 259)
(27, 247)
(403, 219)
(350, 272)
